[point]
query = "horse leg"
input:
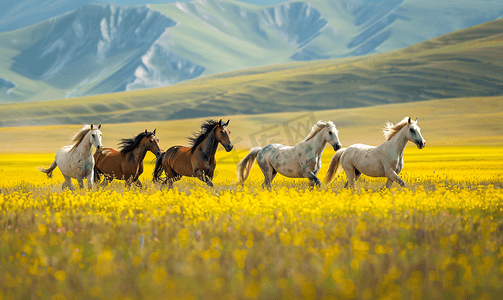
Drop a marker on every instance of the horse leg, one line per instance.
(138, 183)
(90, 180)
(268, 172)
(209, 178)
(128, 182)
(171, 176)
(313, 180)
(351, 178)
(169, 182)
(389, 182)
(201, 175)
(81, 182)
(393, 176)
(68, 183)
(208, 181)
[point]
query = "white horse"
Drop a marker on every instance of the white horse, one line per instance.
(76, 161)
(385, 160)
(301, 161)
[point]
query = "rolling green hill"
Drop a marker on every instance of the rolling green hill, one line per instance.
(466, 63)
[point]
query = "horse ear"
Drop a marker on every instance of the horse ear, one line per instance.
(220, 122)
(410, 120)
(92, 125)
(99, 126)
(416, 120)
(227, 123)
(146, 131)
(154, 131)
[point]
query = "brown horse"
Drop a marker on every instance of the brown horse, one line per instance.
(197, 160)
(126, 164)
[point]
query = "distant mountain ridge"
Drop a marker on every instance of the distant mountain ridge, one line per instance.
(98, 49)
(93, 36)
(462, 64)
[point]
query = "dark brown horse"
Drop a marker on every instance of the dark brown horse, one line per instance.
(126, 164)
(197, 160)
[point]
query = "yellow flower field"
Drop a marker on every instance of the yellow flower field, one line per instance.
(440, 238)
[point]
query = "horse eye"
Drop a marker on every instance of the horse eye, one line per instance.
(330, 132)
(93, 135)
(412, 131)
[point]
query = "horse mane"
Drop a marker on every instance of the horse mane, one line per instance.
(79, 136)
(198, 137)
(391, 129)
(128, 145)
(316, 128)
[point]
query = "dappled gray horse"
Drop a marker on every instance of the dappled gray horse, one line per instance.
(301, 161)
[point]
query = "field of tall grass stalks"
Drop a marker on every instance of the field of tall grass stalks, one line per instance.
(439, 238)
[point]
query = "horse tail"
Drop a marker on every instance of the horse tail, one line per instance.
(158, 167)
(49, 170)
(245, 165)
(334, 167)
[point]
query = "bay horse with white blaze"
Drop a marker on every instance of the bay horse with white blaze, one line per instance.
(76, 161)
(127, 163)
(198, 160)
(301, 161)
(385, 160)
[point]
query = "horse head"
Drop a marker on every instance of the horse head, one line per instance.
(151, 143)
(413, 134)
(222, 135)
(331, 135)
(95, 136)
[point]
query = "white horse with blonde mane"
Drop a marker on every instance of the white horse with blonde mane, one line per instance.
(385, 160)
(76, 161)
(301, 161)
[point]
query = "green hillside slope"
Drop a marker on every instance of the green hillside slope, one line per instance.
(465, 63)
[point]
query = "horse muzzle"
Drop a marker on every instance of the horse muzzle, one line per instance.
(421, 144)
(337, 146)
(228, 147)
(99, 148)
